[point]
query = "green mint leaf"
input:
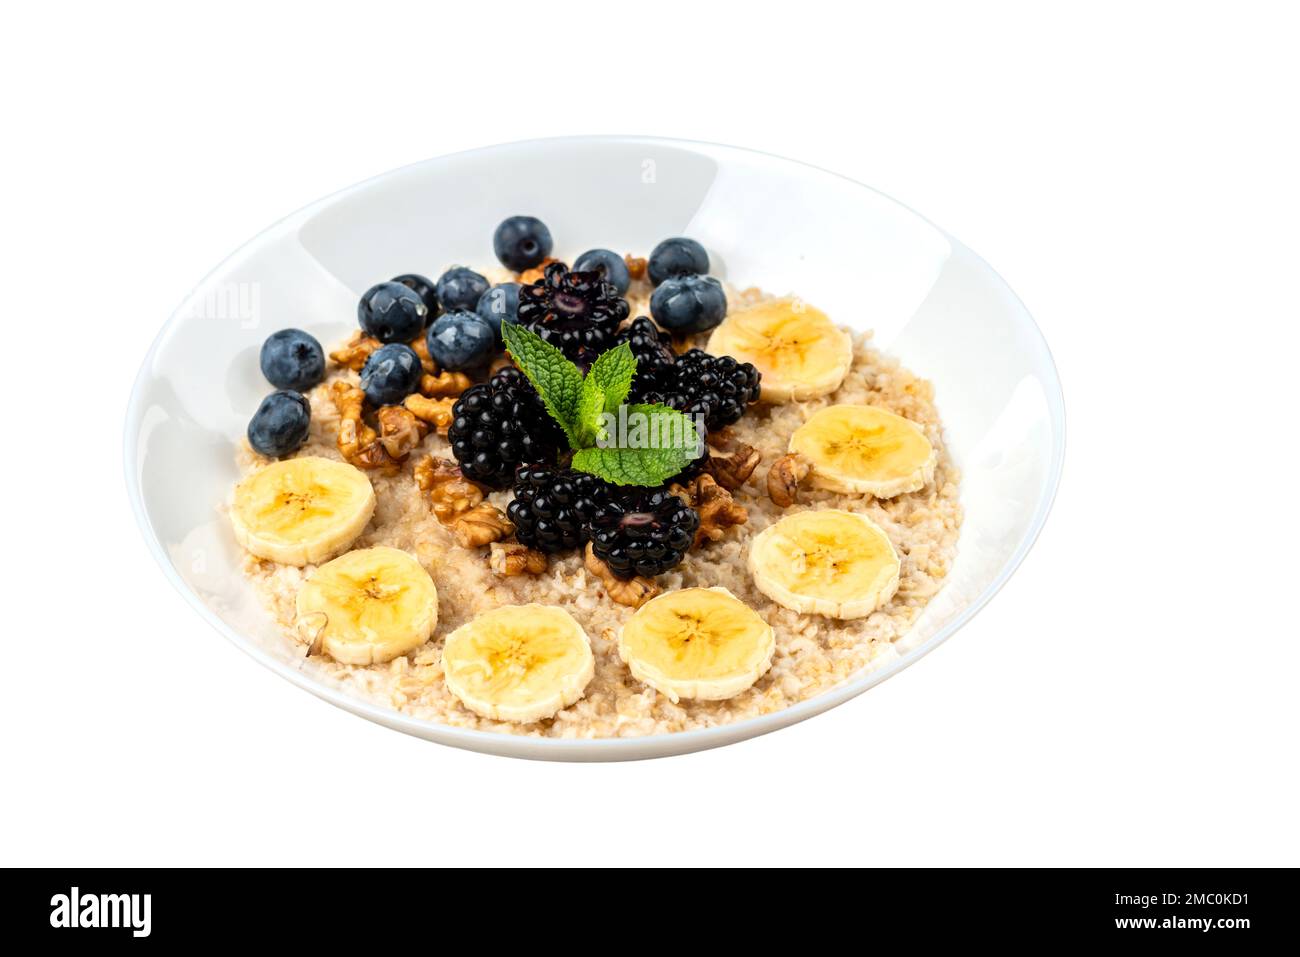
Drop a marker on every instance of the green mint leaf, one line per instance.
(647, 467)
(556, 379)
(591, 403)
(650, 453)
(613, 372)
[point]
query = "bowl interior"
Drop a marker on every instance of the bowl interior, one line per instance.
(861, 257)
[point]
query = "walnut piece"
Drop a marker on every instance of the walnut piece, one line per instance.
(783, 479)
(444, 384)
(354, 353)
(421, 346)
(633, 592)
(512, 558)
(718, 511)
(400, 431)
(450, 493)
(537, 272)
(635, 266)
(357, 441)
(500, 362)
(732, 463)
(436, 412)
(481, 525)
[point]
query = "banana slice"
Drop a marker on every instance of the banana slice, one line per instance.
(702, 643)
(518, 663)
(829, 562)
(800, 352)
(368, 606)
(301, 511)
(865, 450)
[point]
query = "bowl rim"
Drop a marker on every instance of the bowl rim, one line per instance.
(645, 746)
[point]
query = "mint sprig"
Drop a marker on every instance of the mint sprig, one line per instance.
(666, 441)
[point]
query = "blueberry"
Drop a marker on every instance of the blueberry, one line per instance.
(500, 303)
(392, 312)
(390, 374)
(677, 257)
(521, 242)
(423, 288)
(292, 359)
(609, 264)
(689, 303)
(280, 424)
(461, 340)
(460, 288)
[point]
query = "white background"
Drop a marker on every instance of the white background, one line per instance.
(1131, 169)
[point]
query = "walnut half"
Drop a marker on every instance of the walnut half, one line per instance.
(512, 558)
(718, 511)
(354, 353)
(481, 525)
(458, 504)
(783, 479)
(731, 467)
(450, 493)
(400, 431)
(633, 592)
(444, 384)
(436, 412)
(358, 443)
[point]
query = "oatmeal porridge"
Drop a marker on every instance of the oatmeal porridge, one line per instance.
(508, 569)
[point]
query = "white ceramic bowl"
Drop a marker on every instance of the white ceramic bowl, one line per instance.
(858, 255)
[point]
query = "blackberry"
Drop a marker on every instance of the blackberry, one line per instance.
(499, 425)
(652, 349)
(642, 531)
(716, 387)
(552, 506)
(577, 312)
